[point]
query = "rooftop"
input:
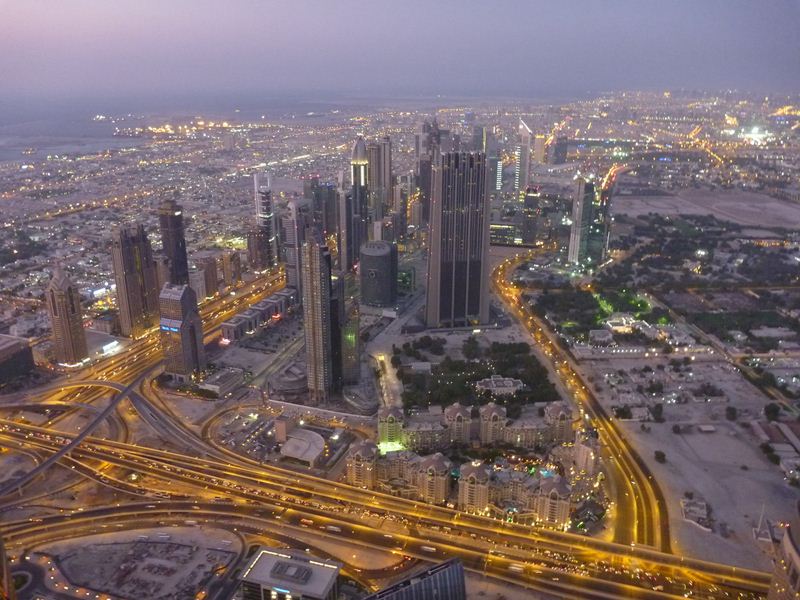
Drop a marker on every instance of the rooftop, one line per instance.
(302, 575)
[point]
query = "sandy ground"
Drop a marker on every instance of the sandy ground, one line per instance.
(745, 208)
(710, 465)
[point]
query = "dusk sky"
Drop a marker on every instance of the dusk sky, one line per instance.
(102, 48)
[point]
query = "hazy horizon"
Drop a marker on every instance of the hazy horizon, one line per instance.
(148, 52)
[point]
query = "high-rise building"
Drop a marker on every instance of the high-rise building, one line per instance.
(444, 581)
(378, 273)
(425, 185)
(211, 275)
(316, 286)
(323, 198)
(495, 174)
(530, 216)
(349, 223)
(257, 257)
(458, 261)
(170, 220)
(162, 271)
(582, 206)
(379, 171)
(351, 348)
(197, 281)
(359, 177)
(181, 332)
(558, 150)
(231, 267)
(66, 320)
(294, 222)
(600, 227)
(266, 222)
(522, 157)
(136, 279)
(539, 148)
(338, 317)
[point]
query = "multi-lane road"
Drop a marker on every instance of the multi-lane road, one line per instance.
(203, 479)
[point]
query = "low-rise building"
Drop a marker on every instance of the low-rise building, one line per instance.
(362, 465)
(497, 385)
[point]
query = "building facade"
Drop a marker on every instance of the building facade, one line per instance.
(170, 221)
(136, 279)
(316, 293)
(458, 263)
(66, 320)
(181, 332)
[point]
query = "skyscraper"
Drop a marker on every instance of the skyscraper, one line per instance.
(136, 279)
(558, 151)
(66, 320)
(211, 275)
(348, 231)
(170, 220)
(582, 206)
(324, 204)
(266, 222)
(181, 332)
(378, 273)
(458, 262)
(359, 176)
(294, 222)
(231, 267)
(257, 240)
(351, 348)
(316, 277)
(379, 170)
(539, 148)
(522, 157)
(444, 581)
(530, 216)
(600, 227)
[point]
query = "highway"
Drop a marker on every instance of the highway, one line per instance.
(640, 505)
(318, 497)
(503, 562)
(226, 488)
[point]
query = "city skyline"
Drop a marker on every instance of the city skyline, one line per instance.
(355, 301)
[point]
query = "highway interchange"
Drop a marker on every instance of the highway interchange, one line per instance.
(226, 489)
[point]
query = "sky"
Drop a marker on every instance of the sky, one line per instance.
(53, 49)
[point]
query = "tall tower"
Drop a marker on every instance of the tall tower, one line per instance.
(581, 220)
(297, 218)
(135, 275)
(522, 156)
(600, 227)
(66, 319)
(379, 169)
(266, 221)
(170, 220)
(359, 176)
(347, 237)
(181, 332)
(316, 277)
(231, 267)
(458, 263)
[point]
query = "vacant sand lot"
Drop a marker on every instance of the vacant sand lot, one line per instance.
(744, 208)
